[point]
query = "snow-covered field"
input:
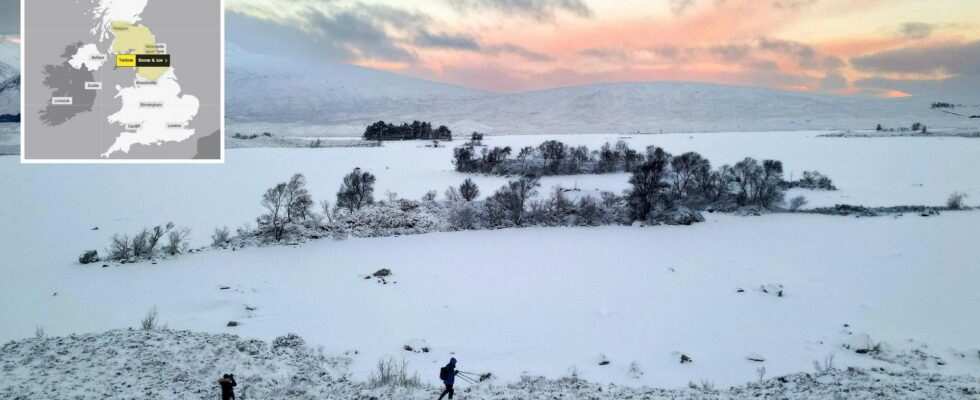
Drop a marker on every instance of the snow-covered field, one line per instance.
(9, 139)
(538, 301)
(181, 365)
(552, 301)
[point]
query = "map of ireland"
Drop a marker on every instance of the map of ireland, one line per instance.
(122, 81)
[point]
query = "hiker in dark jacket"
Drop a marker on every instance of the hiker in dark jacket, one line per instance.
(450, 378)
(228, 384)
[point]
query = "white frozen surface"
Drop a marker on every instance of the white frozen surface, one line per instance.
(536, 300)
(549, 300)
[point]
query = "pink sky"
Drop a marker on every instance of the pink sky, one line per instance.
(847, 47)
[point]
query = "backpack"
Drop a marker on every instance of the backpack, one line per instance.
(444, 373)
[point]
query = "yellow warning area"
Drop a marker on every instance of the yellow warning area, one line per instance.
(125, 60)
(135, 39)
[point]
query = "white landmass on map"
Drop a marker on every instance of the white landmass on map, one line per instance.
(155, 123)
(107, 11)
(152, 112)
(84, 57)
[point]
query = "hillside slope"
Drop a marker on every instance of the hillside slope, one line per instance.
(344, 98)
(167, 364)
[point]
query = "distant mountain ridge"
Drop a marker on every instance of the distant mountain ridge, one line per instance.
(345, 97)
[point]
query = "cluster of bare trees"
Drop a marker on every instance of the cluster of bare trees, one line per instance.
(663, 182)
(286, 204)
(148, 243)
(549, 158)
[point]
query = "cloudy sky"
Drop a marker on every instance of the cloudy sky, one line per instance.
(9, 19)
(886, 48)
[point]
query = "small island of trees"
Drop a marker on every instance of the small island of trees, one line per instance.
(417, 130)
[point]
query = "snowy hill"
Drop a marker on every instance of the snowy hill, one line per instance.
(9, 78)
(10, 96)
(263, 88)
(167, 364)
(10, 54)
(345, 98)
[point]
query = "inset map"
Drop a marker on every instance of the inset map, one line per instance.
(118, 80)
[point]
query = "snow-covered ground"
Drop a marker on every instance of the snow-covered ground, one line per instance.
(545, 301)
(9, 139)
(552, 301)
(170, 364)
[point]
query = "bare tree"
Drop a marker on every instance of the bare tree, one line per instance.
(452, 194)
(299, 203)
(139, 243)
(177, 241)
(277, 210)
(513, 197)
(468, 190)
(648, 185)
(356, 190)
(119, 248)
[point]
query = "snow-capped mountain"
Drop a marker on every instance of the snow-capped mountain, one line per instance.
(10, 96)
(9, 78)
(264, 89)
(10, 54)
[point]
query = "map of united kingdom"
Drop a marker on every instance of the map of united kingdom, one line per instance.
(107, 87)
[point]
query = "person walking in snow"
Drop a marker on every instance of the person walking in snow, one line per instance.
(448, 376)
(228, 384)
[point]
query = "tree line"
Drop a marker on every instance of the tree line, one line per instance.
(549, 158)
(417, 130)
(663, 189)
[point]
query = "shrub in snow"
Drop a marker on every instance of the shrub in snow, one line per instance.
(252, 347)
(146, 244)
(603, 360)
(383, 272)
(288, 341)
(149, 321)
(468, 190)
(680, 216)
(89, 257)
(390, 373)
(812, 180)
(685, 359)
(755, 357)
(955, 201)
(232, 324)
(220, 236)
(177, 241)
(387, 219)
(463, 216)
(797, 202)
